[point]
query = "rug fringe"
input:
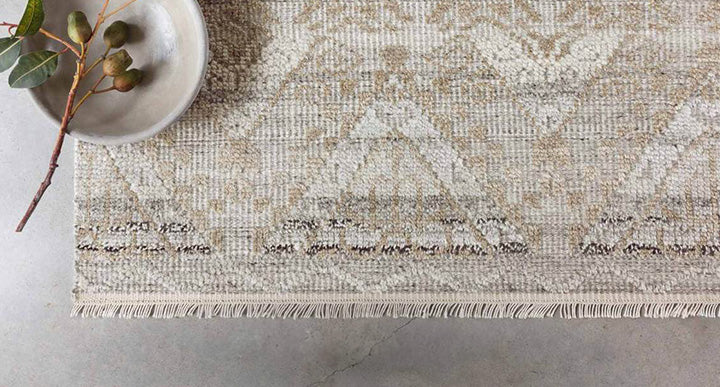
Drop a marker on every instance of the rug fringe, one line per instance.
(349, 310)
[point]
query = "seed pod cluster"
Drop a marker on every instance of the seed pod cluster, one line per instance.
(116, 65)
(115, 36)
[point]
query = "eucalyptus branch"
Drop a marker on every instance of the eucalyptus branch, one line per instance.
(33, 68)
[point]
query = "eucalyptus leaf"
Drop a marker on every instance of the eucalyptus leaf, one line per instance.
(32, 19)
(9, 52)
(33, 69)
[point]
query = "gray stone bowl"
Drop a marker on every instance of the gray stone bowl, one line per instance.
(168, 42)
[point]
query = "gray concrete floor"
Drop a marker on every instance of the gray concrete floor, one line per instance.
(40, 345)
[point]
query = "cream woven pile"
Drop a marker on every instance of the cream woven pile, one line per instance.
(360, 158)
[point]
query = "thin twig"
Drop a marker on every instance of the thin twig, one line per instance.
(100, 20)
(118, 9)
(97, 62)
(111, 88)
(10, 26)
(59, 39)
(47, 33)
(88, 94)
(98, 82)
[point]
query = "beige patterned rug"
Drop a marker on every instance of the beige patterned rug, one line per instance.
(496, 158)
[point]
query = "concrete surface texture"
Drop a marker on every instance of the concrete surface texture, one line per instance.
(42, 346)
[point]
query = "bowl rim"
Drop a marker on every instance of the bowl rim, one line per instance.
(171, 118)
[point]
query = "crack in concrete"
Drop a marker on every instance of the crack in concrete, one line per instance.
(367, 355)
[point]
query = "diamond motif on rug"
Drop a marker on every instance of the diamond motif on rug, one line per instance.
(401, 187)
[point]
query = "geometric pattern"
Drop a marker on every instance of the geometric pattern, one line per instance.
(504, 158)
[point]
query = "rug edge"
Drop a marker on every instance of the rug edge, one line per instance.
(348, 306)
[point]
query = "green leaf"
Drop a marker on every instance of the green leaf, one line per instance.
(33, 69)
(32, 19)
(9, 52)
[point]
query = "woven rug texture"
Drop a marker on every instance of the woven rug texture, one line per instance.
(362, 158)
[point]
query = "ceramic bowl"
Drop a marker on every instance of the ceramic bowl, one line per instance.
(168, 42)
